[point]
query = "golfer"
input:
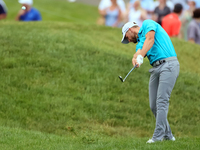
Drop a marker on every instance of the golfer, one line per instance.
(154, 43)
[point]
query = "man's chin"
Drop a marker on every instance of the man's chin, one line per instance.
(134, 42)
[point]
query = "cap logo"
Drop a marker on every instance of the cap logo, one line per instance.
(125, 30)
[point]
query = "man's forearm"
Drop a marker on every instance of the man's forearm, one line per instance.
(3, 16)
(148, 44)
(17, 17)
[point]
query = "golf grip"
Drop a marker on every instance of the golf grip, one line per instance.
(130, 72)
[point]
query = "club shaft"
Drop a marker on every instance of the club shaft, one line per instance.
(129, 72)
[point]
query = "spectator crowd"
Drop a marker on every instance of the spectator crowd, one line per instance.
(26, 12)
(179, 18)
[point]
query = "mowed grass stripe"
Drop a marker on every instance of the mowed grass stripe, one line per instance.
(21, 139)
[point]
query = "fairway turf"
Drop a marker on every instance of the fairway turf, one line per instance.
(21, 139)
(60, 88)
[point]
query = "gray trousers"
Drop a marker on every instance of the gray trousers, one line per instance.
(162, 81)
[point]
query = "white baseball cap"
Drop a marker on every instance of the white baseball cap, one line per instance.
(125, 28)
(28, 2)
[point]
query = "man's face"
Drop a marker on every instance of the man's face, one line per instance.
(26, 6)
(191, 4)
(131, 35)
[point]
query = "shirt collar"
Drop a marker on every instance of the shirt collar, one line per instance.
(140, 31)
(175, 15)
(196, 21)
(139, 34)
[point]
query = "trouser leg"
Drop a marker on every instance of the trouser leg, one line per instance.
(153, 87)
(168, 133)
(167, 79)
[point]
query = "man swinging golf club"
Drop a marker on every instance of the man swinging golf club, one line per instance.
(154, 43)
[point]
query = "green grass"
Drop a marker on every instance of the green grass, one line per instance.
(60, 88)
(21, 139)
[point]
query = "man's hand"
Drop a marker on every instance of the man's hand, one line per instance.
(134, 62)
(21, 12)
(137, 61)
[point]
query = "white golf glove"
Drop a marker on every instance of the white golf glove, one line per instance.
(139, 60)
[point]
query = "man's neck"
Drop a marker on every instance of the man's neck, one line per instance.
(197, 20)
(138, 29)
(28, 8)
(178, 14)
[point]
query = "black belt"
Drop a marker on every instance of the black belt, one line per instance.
(159, 62)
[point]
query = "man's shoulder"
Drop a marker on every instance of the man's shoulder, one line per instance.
(34, 9)
(149, 21)
(167, 17)
(167, 8)
(192, 24)
(171, 18)
(148, 25)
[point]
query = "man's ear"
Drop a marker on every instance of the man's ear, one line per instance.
(130, 29)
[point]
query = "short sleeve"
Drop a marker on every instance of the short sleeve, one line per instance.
(149, 25)
(38, 16)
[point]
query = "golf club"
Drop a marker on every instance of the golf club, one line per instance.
(127, 74)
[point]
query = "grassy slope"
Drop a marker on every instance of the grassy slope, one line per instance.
(61, 78)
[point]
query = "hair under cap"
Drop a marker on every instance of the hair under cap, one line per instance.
(125, 28)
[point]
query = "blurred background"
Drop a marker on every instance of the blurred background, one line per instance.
(175, 16)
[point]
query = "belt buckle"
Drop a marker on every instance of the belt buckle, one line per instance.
(157, 63)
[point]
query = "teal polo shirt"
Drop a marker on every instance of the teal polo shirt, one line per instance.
(162, 47)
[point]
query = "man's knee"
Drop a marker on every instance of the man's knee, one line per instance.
(162, 103)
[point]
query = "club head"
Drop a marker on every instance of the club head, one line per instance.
(121, 78)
